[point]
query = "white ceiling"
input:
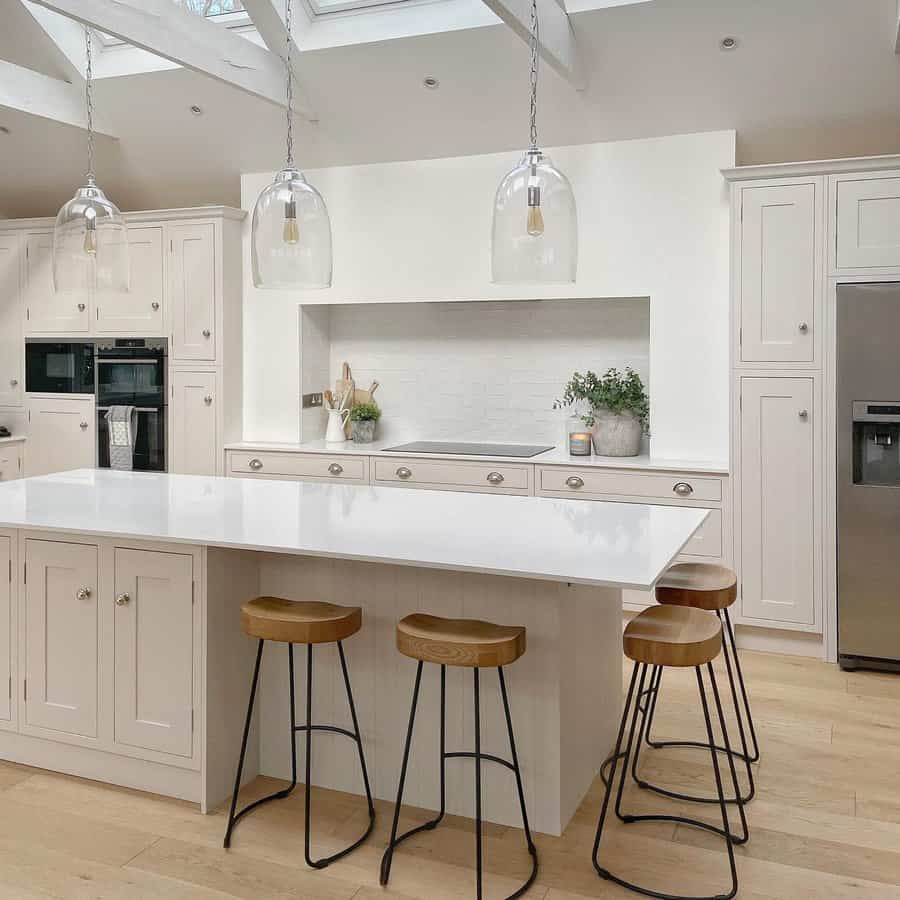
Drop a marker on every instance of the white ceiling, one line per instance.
(810, 79)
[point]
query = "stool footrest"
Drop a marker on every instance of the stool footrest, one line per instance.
(465, 754)
(333, 729)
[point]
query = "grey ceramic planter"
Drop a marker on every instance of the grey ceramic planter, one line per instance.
(363, 432)
(617, 433)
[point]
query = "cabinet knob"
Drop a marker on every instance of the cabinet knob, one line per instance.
(683, 489)
(122, 600)
(256, 464)
(803, 328)
(83, 426)
(154, 306)
(335, 468)
(207, 400)
(82, 593)
(81, 307)
(495, 478)
(404, 473)
(206, 332)
(803, 413)
(13, 382)
(575, 482)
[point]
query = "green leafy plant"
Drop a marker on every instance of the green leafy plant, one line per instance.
(616, 391)
(365, 412)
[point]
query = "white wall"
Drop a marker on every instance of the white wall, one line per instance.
(477, 371)
(653, 222)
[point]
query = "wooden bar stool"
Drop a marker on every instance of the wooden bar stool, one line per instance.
(292, 622)
(475, 645)
(713, 588)
(680, 637)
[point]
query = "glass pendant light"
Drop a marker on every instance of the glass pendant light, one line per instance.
(291, 232)
(535, 232)
(90, 241)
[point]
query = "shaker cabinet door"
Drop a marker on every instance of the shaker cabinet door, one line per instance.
(5, 630)
(192, 291)
(194, 444)
(46, 310)
(779, 451)
(62, 435)
(12, 376)
(139, 310)
(780, 270)
(154, 650)
(61, 637)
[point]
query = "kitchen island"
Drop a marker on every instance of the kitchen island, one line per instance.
(127, 663)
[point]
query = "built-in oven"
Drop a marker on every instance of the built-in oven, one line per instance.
(57, 367)
(132, 372)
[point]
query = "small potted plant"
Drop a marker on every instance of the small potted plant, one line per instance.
(618, 409)
(363, 417)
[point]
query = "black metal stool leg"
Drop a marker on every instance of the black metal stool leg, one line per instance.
(278, 795)
(737, 665)
(655, 682)
(477, 787)
(631, 730)
(389, 852)
(515, 761)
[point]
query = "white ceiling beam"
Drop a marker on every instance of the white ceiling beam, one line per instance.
(557, 39)
(39, 95)
(67, 36)
(270, 25)
(174, 33)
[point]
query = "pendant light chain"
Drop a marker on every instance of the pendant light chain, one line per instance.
(534, 72)
(289, 72)
(89, 101)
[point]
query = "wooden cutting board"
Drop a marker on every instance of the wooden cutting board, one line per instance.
(344, 385)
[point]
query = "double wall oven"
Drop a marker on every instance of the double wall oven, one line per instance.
(118, 372)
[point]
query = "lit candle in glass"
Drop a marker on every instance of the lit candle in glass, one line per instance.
(579, 443)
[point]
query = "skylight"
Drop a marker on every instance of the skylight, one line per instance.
(230, 13)
(326, 7)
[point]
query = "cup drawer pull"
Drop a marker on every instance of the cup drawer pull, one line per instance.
(255, 464)
(335, 469)
(575, 482)
(495, 478)
(683, 489)
(404, 473)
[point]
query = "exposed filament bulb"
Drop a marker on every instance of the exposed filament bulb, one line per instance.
(90, 239)
(535, 223)
(291, 232)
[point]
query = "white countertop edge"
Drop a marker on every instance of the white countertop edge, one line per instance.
(326, 554)
(13, 439)
(555, 457)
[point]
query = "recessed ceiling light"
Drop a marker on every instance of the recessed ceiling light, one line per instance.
(728, 43)
(431, 82)
(4, 130)
(196, 110)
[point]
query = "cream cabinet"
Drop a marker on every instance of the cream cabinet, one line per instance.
(192, 289)
(140, 309)
(779, 503)
(194, 442)
(868, 222)
(6, 630)
(778, 271)
(453, 475)
(155, 635)
(46, 310)
(12, 464)
(12, 367)
(61, 635)
(62, 434)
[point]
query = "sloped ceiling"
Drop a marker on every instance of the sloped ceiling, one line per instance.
(810, 79)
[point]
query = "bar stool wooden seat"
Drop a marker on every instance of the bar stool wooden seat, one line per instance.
(473, 644)
(682, 637)
(301, 622)
(714, 588)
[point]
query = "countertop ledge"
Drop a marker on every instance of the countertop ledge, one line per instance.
(556, 457)
(626, 545)
(13, 439)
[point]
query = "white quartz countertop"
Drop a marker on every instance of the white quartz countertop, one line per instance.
(558, 456)
(626, 545)
(12, 439)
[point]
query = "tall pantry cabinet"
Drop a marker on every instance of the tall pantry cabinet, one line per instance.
(777, 410)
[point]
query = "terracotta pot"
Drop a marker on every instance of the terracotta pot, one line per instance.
(617, 433)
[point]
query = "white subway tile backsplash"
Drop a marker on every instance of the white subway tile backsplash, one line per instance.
(485, 371)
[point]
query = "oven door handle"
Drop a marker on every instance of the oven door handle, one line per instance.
(131, 362)
(140, 409)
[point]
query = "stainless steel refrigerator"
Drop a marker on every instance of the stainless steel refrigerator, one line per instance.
(868, 491)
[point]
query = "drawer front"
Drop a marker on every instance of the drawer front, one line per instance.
(565, 482)
(300, 466)
(707, 541)
(454, 475)
(10, 461)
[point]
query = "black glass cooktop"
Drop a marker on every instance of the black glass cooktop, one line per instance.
(464, 449)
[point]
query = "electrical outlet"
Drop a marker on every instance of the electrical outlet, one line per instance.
(311, 401)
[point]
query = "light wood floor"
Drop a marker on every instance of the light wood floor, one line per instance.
(826, 823)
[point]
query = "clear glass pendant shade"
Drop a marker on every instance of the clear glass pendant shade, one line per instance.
(291, 235)
(535, 232)
(90, 243)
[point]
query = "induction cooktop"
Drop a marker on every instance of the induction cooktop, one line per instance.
(464, 449)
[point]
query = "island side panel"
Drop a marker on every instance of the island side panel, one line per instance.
(230, 578)
(552, 687)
